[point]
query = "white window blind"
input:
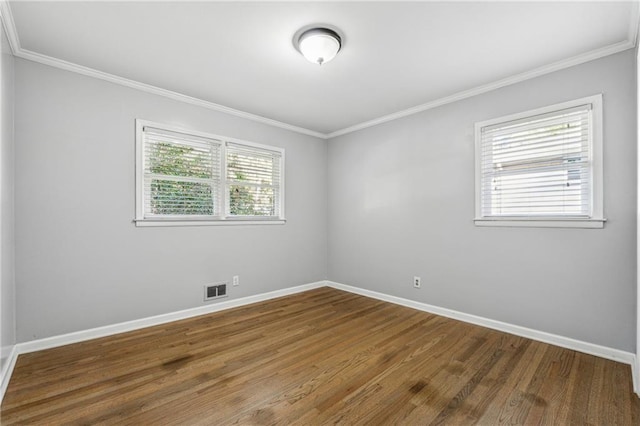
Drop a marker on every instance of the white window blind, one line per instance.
(253, 181)
(538, 165)
(188, 178)
(181, 174)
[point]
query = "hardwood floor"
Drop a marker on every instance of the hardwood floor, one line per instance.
(320, 357)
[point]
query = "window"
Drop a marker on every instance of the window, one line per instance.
(541, 167)
(192, 178)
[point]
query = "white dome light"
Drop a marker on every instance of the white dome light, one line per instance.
(319, 45)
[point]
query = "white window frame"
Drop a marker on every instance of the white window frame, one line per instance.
(596, 218)
(224, 218)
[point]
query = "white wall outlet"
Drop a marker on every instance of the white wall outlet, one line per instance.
(236, 280)
(416, 282)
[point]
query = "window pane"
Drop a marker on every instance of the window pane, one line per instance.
(252, 201)
(537, 166)
(174, 159)
(545, 193)
(253, 181)
(250, 167)
(168, 197)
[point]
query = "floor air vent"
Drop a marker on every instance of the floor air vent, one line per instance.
(215, 291)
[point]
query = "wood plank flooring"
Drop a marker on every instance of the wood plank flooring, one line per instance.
(319, 357)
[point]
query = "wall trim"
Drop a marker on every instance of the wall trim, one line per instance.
(69, 66)
(635, 370)
(7, 371)
(541, 336)
(104, 331)
(537, 72)
(109, 330)
(14, 41)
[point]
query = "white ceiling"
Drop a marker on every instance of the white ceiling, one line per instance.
(396, 56)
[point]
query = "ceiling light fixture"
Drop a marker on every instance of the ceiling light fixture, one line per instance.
(318, 44)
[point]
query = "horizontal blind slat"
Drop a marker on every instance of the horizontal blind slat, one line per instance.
(540, 170)
(541, 120)
(579, 143)
(529, 138)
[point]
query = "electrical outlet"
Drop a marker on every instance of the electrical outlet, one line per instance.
(416, 282)
(236, 280)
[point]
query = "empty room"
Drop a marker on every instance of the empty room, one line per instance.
(394, 213)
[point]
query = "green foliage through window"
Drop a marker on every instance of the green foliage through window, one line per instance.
(253, 178)
(181, 183)
(180, 198)
(179, 160)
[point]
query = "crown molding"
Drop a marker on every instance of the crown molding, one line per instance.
(69, 66)
(18, 51)
(537, 72)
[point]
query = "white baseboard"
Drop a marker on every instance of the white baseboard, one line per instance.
(7, 370)
(80, 336)
(109, 330)
(541, 336)
(635, 373)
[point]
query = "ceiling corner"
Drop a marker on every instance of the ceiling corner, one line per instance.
(634, 23)
(9, 26)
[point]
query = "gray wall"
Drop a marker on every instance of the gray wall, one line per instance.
(7, 241)
(636, 79)
(401, 203)
(81, 262)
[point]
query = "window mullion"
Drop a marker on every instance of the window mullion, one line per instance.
(223, 190)
(180, 178)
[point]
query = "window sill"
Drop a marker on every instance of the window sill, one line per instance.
(542, 223)
(182, 222)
